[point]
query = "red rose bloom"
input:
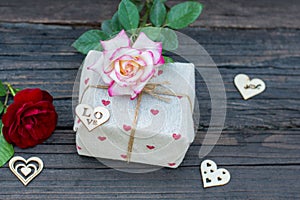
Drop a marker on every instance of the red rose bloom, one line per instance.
(30, 119)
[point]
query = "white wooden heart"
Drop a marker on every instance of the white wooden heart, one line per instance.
(212, 176)
(92, 117)
(26, 170)
(248, 88)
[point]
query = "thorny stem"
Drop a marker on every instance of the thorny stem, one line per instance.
(6, 99)
(11, 89)
(146, 15)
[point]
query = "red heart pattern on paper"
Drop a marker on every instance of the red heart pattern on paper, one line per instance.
(176, 136)
(126, 127)
(154, 111)
(102, 138)
(150, 147)
(124, 156)
(179, 97)
(78, 147)
(160, 72)
(78, 121)
(86, 81)
(105, 102)
(171, 164)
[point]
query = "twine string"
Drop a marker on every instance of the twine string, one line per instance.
(151, 89)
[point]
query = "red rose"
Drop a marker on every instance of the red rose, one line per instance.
(30, 119)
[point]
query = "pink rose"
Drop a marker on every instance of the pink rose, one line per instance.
(127, 67)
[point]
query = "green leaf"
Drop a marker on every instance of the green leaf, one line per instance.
(2, 90)
(128, 15)
(106, 27)
(158, 13)
(168, 59)
(165, 35)
(1, 107)
(16, 90)
(183, 14)
(6, 149)
(116, 25)
(90, 40)
(139, 4)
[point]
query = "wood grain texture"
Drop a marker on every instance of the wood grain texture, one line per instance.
(260, 143)
(217, 13)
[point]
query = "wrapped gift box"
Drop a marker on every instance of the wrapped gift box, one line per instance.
(164, 129)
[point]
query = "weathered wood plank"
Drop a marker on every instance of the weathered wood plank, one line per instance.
(243, 147)
(221, 13)
(260, 142)
(20, 46)
(277, 107)
(261, 182)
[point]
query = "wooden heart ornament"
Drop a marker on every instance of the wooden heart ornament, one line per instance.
(212, 176)
(26, 170)
(248, 88)
(92, 117)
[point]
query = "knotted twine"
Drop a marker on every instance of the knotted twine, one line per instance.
(150, 89)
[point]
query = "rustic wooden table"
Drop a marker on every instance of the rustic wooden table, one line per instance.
(260, 144)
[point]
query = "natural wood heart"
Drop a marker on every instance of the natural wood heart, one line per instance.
(26, 170)
(29, 168)
(92, 118)
(212, 176)
(248, 88)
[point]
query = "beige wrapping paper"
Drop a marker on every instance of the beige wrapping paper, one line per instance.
(164, 131)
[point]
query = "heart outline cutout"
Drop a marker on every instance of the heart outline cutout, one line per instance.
(242, 82)
(212, 175)
(25, 163)
(89, 115)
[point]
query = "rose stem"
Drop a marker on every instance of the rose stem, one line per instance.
(11, 89)
(6, 99)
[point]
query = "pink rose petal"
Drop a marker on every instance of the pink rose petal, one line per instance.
(128, 69)
(120, 40)
(122, 51)
(115, 90)
(143, 42)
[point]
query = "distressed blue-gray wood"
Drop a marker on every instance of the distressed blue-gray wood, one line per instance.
(260, 144)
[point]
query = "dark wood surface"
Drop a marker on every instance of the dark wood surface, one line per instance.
(260, 144)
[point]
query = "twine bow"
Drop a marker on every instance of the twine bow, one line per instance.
(151, 89)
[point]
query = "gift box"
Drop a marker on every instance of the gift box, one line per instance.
(161, 120)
